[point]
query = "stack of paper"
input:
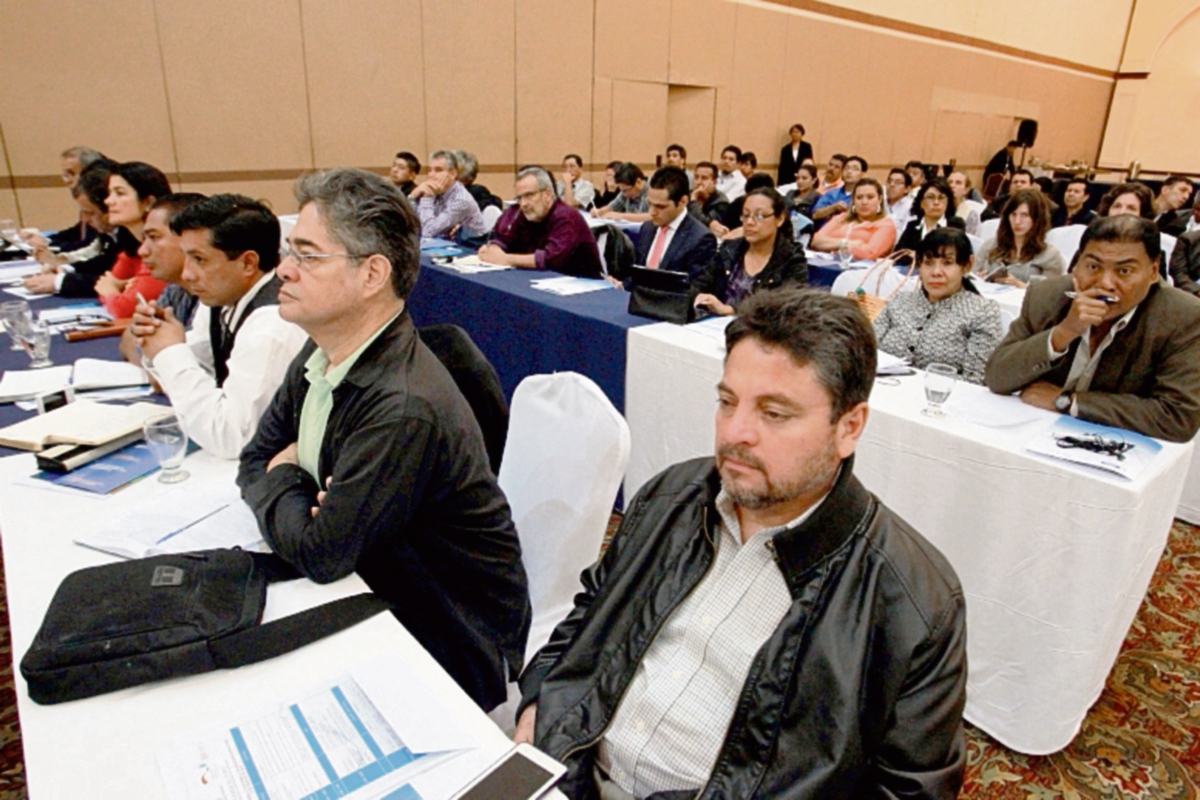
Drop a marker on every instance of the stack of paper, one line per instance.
(15, 272)
(888, 364)
(22, 384)
(567, 285)
(95, 373)
(471, 265)
(25, 294)
(112, 378)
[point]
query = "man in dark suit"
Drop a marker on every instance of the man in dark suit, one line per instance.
(1185, 261)
(673, 239)
(1110, 343)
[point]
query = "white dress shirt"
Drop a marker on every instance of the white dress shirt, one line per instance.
(667, 732)
(900, 212)
(223, 419)
(671, 229)
(732, 185)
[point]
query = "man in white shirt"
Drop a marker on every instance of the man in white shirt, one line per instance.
(221, 374)
(730, 180)
(899, 201)
(677, 157)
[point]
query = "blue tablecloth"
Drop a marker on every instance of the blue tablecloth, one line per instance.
(524, 331)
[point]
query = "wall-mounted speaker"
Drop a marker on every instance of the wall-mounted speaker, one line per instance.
(1027, 132)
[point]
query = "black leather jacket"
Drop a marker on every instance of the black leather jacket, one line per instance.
(859, 693)
(787, 266)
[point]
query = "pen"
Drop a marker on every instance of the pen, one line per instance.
(192, 524)
(1112, 301)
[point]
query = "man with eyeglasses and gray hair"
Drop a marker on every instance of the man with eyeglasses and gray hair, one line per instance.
(368, 458)
(542, 232)
(444, 205)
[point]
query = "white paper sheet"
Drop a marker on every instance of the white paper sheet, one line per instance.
(888, 364)
(568, 285)
(19, 270)
(25, 294)
(472, 265)
(21, 384)
(995, 410)
(95, 373)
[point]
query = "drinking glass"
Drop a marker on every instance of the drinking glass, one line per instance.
(16, 316)
(35, 336)
(939, 382)
(8, 230)
(169, 443)
(844, 255)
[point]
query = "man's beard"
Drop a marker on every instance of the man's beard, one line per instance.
(817, 473)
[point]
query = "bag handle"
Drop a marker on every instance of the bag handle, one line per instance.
(891, 261)
(262, 642)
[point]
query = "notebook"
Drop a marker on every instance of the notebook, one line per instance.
(81, 422)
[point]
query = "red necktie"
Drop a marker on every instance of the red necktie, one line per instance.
(660, 240)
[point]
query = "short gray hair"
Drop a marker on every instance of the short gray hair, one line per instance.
(449, 156)
(544, 181)
(86, 156)
(468, 166)
(366, 215)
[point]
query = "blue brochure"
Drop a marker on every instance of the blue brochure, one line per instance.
(107, 474)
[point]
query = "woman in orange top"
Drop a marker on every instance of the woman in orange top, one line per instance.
(865, 229)
(133, 189)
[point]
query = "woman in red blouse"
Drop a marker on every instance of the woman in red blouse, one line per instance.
(865, 229)
(132, 190)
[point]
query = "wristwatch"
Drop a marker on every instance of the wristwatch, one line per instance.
(1062, 403)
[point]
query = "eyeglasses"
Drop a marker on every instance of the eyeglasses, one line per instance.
(309, 260)
(757, 216)
(530, 195)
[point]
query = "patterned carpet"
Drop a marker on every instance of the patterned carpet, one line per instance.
(1139, 741)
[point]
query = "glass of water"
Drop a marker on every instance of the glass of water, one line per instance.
(169, 443)
(844, 255)
(35, 336)
(16, 316)
(8, 230)
(939, 382)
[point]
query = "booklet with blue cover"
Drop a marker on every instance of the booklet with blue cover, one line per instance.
(108, 474)
(1115, 450)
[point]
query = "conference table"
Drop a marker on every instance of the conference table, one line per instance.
(1054, 558)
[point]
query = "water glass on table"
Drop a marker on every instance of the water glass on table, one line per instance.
(16, 316)
(169, 443)
(844, 254)
(35, 338)
(8, 230)
(939, 382)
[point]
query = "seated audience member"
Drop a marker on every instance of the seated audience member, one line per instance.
(916, 171)
(1127, 198)
(609, 191)
(793, 154)
(132, 190)
(443, 204)
(677, 157)
(1073, 210)
(1131, 362)
(730, 180)
(935, 207)
(631, 203)
(945, 321)
(1171, 209)
(733, 217)
(898, 200)
(1018, 253)
(1045, 185)
(969, 210)
(747, 164)
(766, 257)
(805, 195)
(707, 204)
(74, 161)
(672, 239)
(836, 200)
(865, 229)
(73, 273)
(832, 178)
(1185, 260)
(542, 232)
(368, 458)
(220, 375)
(468, 173)
(1021, 180)
(761, 625)
(573, 189)
(405, 170)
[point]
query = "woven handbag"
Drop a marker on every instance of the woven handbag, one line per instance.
(872, 304)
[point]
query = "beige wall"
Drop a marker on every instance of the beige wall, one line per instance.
(1156, 108)
(242, 95)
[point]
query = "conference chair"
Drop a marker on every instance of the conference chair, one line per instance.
(476, 378)
(563, 463)
(490, 215)
(616, 250)
(976, 242)
(988, 228)
(1066, 240)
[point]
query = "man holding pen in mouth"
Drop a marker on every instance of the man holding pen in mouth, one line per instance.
(1109, 343)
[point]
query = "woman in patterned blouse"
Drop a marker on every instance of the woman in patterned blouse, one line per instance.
(946, 320)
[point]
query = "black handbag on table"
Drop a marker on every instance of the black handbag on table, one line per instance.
(661, 294)
(133, 622)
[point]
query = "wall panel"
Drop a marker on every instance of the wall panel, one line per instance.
(691, 112)
(469, 78)
(702, 54)
(602, 118)
(235, 77)
(760, 45)
(365, 83)
(633, 39)
(277, 193)
(639, 121)
(42, 208)
(554, 83)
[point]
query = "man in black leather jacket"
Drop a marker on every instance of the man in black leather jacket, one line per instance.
(763, 626)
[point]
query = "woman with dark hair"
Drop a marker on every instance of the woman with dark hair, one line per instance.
(801, 198)
(1127, 198)
(946, 321)
(934, 207)
(1019, 253)
(865, 229)
(132, 189)
(766, 257)
(609, 190)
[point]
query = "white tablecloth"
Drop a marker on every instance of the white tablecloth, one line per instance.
(1054, 559)
(105, 746)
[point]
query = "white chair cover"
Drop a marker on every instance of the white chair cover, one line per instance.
(286, 223)
(490, 215)
(988, 228)
(1007, 318)
(564, 460)
(976, 242)
(1168, 247)
(1066, 240)
(880, 284)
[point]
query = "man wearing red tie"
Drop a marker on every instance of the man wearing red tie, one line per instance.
(672, 239)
